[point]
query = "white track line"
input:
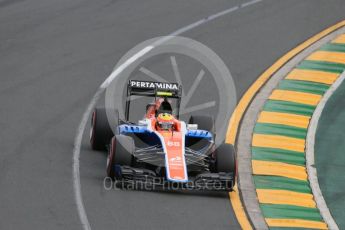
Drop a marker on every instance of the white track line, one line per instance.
(78, 139)
(310, 157)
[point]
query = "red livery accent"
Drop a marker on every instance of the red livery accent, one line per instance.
(172, 137)
(175, 160)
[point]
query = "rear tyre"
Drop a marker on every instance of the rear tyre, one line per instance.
(120, 152)
(100, 131)
(203, 122)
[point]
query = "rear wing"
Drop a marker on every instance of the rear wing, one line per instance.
(153, 89)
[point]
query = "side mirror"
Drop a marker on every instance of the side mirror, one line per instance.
(192, 126)
(148, 106)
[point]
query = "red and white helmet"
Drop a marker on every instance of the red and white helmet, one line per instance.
(165, 121)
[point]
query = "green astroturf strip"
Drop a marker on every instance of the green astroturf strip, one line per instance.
(279, 211)
(278, 155)
(289, 107)
(321, 66)
(303, 86)
(334, 47)
(282, 130)
(281, 183)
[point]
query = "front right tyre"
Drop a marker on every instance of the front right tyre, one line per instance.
(120, 152)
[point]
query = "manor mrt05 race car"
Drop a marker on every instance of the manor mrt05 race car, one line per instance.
(161, 149)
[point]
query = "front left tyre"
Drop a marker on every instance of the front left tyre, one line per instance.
(226, 160)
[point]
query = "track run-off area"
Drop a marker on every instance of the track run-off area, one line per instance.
(54, 57)
(281, 124)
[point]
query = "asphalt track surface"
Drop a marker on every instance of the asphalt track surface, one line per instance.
(55, 54)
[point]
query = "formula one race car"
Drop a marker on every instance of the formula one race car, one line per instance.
(161, 149)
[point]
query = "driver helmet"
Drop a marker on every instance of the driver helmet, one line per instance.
(165, 121)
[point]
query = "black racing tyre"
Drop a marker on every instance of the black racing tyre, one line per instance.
(226, 158)
(120, 152)
(203, 122)
(100, 131)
